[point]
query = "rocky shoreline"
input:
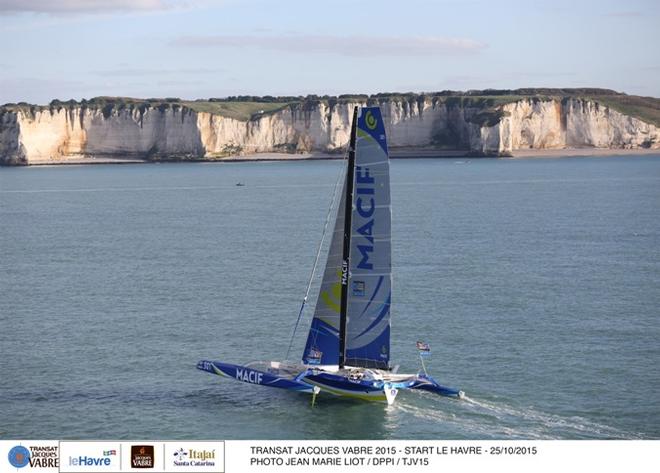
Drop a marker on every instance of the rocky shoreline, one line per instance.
(395, 154)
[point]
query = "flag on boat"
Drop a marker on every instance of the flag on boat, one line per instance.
(314, 356)
(424, 348)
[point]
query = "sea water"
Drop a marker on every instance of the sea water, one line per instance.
(535, 281)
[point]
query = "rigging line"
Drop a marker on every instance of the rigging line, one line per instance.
(318, 255)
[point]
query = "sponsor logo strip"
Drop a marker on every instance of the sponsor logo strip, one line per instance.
(141, 456)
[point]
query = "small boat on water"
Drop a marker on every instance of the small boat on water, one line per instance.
(347, 352)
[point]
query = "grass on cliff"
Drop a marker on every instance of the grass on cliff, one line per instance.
(237, 110)
(646, 109)
(244, 108)
(490, 106)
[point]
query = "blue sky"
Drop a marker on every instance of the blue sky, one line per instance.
(215, 48)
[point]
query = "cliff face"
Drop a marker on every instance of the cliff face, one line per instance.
(11, 149)
(293, 129)
(54, 135)
(51, 135)
(575, 123)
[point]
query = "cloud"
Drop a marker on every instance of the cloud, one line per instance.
(130, 71)
(179, 83)
(81, 6)
(625, 14)
(38, 89)
(359, 46)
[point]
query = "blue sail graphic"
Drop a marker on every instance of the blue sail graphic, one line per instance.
(370, 286)
(370, 269)
(322, 345)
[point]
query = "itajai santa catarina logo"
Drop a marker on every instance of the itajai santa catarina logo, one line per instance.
(194, 457)
(19, 456)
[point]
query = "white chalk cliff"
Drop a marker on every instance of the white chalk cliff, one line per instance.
(56, 134)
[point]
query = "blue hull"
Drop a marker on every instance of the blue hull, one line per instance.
(330, 382)
(426, 383)
(341, 385)
(270, 378)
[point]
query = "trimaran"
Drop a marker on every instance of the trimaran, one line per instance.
(348, 346)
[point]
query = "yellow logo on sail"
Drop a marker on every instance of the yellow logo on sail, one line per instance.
(333, 300)
(371, 121)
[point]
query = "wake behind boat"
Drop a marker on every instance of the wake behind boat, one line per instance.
(347, 352)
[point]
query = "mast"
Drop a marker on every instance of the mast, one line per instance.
(348, 211)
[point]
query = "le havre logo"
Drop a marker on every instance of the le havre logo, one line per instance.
(142, 456)
(89, 460)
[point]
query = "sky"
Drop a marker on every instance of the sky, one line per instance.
(195, 49)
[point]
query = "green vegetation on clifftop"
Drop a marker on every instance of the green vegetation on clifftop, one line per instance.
(243, 111)
(646, 109)
(488, 102)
